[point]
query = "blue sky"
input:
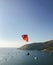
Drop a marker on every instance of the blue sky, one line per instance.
(32, 17)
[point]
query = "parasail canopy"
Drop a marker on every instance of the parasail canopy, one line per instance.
(25, 37)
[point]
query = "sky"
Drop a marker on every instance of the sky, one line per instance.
(32, 17)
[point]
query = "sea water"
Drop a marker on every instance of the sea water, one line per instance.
(13, 56)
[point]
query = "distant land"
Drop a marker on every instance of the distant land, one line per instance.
(45, 46)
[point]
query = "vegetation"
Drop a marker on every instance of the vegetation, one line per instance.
(48, 45)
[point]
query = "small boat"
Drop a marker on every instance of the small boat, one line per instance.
(35, 58)
(28, 54)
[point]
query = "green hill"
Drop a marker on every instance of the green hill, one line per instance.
(48, 45)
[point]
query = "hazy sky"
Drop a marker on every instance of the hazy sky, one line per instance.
(32, 17)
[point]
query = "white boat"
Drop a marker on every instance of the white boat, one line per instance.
(35, 58)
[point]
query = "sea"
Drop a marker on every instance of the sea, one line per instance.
(14, 56)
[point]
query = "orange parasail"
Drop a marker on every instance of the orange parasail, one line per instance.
(25, 37)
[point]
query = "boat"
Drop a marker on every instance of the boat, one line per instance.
(28, 53)
(35, 58)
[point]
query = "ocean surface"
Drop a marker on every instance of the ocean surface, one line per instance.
(13, 56)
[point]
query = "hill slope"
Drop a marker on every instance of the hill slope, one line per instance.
(48, 45)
